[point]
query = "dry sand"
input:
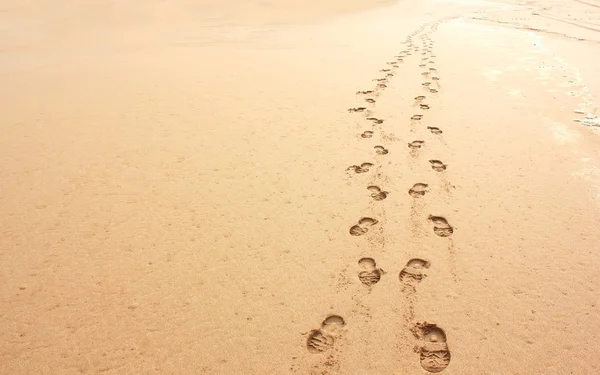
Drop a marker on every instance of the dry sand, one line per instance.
(180, 181)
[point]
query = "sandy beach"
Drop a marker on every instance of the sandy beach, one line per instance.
(251, 187)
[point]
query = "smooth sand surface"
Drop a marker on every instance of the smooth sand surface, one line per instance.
(198, 188)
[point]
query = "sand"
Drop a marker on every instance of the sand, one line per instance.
(200, 188)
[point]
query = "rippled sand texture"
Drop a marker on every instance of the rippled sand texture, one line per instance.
(336, 187)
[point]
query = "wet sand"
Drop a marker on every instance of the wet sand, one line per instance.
(328, 188)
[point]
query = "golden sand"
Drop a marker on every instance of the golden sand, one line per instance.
(267, 187)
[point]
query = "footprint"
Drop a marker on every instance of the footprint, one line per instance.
(414, 272)
(333, 321)
(385, 70)
(441, 226)
(367, 134)
(424, 106)
(371, 274)
(369, 100)
(363, 226)
(364, 167)
(435, 78)
(380, 79)
(416, 117)
(365, 92)
(375, 120)
(437, 165)
(434, 130)
(380, 150)
(321, 340)
(425, 74)
(389, 75)
(358, 109)
(432, 69)
(434, 353)
(381, 85)
(426, 83)
(418, 190)
(416, 144)
(376, 193)
(433, 90)
(419, 98)
(422, 65)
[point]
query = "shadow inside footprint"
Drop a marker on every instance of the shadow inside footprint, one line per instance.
(371, 274)
(367, 134)
(364, 167)
(434, 130)
(416, 144)
(376, 193)
(358, 109)
(380, 150)
(363, 226)
(418, 190)
(375, 120)
(416, 117)
(437, 165)
(414, 272)
(334, 322)
(321, 340)
(441, 227)
(434, 353)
